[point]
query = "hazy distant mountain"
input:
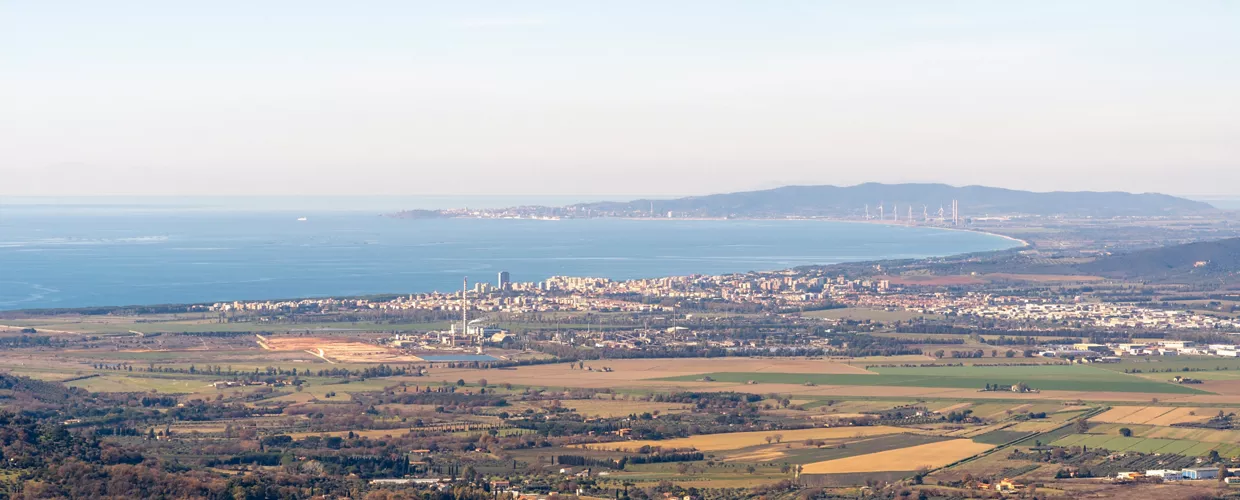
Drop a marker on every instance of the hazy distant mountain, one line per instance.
(419, 214)
(852, 200)
(1191, 262)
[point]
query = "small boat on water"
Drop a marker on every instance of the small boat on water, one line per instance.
(301, 219)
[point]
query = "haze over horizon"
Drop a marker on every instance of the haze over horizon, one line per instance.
(561, 98)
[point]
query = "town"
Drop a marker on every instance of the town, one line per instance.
(771, 292)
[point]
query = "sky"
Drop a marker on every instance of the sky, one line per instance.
(572, 98)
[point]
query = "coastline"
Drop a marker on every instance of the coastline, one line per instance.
(816, 240)
(1022, 243)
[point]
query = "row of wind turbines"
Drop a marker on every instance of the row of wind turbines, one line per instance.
(925, 213)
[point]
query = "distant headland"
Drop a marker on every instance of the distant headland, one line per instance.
(928, 203)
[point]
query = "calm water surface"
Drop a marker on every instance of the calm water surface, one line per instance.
(81, 258)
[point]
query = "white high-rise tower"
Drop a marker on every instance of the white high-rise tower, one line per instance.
(464, 308)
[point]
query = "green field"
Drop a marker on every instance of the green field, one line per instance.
(145, 382)
(1000, 437)
(1054, 377)
(1173, 433)
(122, 325)
(1209, 364)
(1114, 442)
(201, 357)
(862, 314)
(1151, 439)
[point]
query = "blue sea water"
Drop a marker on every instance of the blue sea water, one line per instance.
(76, 258)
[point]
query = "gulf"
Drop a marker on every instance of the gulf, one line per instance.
(78, 259)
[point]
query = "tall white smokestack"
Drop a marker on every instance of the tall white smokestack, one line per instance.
(464, 308)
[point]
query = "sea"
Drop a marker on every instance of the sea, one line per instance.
(95, 252)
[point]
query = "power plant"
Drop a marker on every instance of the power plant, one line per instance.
(942, 217)
(474, 332)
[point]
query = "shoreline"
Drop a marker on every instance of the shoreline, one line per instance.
(1022, 243)
(1019, 244)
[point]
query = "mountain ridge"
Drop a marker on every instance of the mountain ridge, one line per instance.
(924, 198)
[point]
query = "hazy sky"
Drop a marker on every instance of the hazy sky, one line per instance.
(624, 97)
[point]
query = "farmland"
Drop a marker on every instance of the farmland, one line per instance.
(1172, 433)
(1167, 367)
(1116, 443)
(914, 457)
(1154, 415)
(199, 323)
(738, 440)
(862, 314)
(333, 350)
(600, 408)
(1051, 377)
(742, 422)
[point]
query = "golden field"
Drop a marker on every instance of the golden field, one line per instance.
(911, 458)
(737, 440)
(1154, 415)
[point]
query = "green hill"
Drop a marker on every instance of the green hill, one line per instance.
(1206, 260)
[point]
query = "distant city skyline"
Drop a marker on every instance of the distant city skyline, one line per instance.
(558, 98)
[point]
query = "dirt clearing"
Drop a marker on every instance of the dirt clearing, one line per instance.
(336, 350)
